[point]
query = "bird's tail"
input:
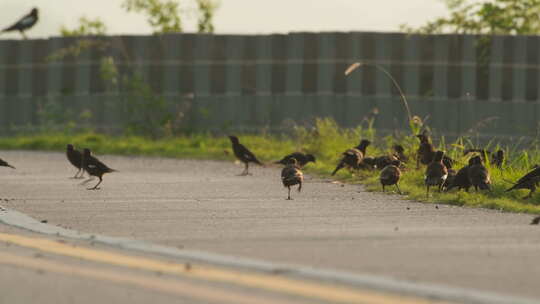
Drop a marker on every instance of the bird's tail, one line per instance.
(512, 188)
(111, 170)
(11, 166)
(339, 166)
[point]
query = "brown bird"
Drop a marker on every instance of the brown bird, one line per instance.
(426, 153)
(94, 167)
(367, 163)
(4, 163)
(353, 157)
(461, 180)
(436, 172)
(478, 174)
(528, 181)
(496, 158)
(535, 221)
(291, 175)
(243, 154)
(75, 158)
(390, 175)
(302, 159)
(399, 152)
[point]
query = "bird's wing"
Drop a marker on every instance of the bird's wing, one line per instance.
(247, 154)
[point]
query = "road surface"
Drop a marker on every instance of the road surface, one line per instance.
(204, 206)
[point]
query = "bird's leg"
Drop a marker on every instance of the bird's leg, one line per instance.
(427, 192)
(289, 195)
(24, 35)
(247, 169)
(76, 174)
(299, 187)
(91, 178)
(398, 190)
(96, 186)
(382, 187)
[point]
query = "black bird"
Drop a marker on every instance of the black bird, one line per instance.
(302, 159)
(528, 181)
(496, 158)
(461, 180)
(449, 179)
(426, 153)
(478, 174)
(390, 175)
(436, 172)
(75, 158)
(24, 23)
(382, 161)
(535, 221)
(94, 167)
(291, 175)
(352, 158)
(368, 163)
(243, 154)
(4, 163)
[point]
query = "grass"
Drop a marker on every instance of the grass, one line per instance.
(326, 141)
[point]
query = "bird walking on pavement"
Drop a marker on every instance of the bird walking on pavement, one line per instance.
(390, 175)
(94, 167)
(243, 155)
(291, 175)
(75, 157)
(352, 158)
(25, 23)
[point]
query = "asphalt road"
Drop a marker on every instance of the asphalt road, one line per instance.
(203, 205)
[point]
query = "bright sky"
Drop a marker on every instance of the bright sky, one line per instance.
(233, 16)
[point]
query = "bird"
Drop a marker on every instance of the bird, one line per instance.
(535, 221)
(382, 161)
(353, 157)
(461, 180)
(4, 163)
(75, 158)
(94, 167)
(390, 175)
(302, 159)
(243, 154)
(449, 179)
(291, 175)
(528, 181)
(496, 158)
(436, 172)
(426, 152)
(479, 174)
(24, 23)
(367, 163)
(399, 152)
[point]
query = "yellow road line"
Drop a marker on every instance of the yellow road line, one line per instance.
(184, 289)
(313, 290)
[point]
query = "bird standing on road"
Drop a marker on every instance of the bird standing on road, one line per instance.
(291, 175)
(302, 159)
(94, 167)
(478, 174)
(243, 154)
(436, 172)
(4, 163)
(353, 157)
(390, 175)
(75, 157)
(24, 23)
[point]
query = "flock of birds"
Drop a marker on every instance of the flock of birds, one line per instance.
(439, 170)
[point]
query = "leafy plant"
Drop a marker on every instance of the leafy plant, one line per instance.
(206, 12)
(86, 27)
(162, 15)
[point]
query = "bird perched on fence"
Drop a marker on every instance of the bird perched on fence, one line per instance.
(390, 175)
(461, 180)
(291, 175)
(24, 23)
(496, 158)
(302, 159)
(243, 154)
(94, 167)
(353, 157)
(75, 157)
(426, 152)
(436, 172)
(528, 181)
(4, 163)
(479, 174)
